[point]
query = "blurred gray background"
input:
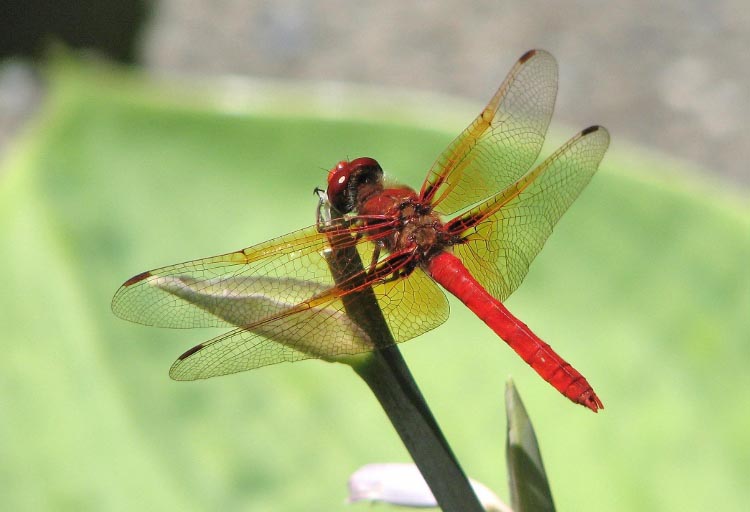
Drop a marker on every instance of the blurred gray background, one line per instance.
(673, 77)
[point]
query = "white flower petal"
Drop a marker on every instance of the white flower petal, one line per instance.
(403, 484)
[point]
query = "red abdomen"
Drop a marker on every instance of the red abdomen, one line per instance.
(448, 270)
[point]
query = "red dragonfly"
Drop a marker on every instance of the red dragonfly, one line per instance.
(283, 303)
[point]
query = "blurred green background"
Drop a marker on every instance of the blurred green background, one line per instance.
(644, 286)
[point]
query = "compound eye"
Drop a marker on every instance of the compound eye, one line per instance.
(338, 179)
(365, 163)
(347, 177)
(339, 173)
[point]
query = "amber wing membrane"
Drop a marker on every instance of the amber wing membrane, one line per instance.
(505, 233)
(280, 299)
(502, 143)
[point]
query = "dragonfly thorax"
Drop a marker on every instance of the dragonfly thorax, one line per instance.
(401, 222)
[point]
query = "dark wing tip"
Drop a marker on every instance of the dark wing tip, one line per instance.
(190, 352)
(136, 279)
(601, 132)
(592, 129)
(526, 56)
(119, 301)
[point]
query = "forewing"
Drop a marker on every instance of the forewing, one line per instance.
(504, 234)
(234, 289)
(503, 141)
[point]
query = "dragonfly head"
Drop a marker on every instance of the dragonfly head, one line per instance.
(349, 182)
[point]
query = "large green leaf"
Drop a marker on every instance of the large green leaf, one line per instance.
(644, 287)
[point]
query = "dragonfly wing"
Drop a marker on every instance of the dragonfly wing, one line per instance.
(504, 234)
(323, 331)
(318, 329)
(234, 289)
(503, 141)
(412, 306)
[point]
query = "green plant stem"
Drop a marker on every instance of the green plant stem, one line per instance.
(389, 378)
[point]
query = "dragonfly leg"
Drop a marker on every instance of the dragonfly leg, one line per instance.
(375, 257)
